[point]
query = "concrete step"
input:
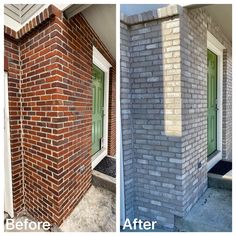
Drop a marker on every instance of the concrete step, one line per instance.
(102, 180)
(220, 181)
(220, 175)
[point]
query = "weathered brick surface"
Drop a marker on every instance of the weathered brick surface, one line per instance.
(56, 94)
(164, 111)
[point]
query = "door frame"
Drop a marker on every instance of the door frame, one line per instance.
(8, 193)
(216, 47)
(100, 61)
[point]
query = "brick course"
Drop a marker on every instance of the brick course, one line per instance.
(55, 57)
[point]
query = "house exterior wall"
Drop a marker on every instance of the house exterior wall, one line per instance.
(217, 31)
(168, 80)
(194, 26)
(56, 91)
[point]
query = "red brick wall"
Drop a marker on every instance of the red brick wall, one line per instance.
(42, 119)
(56, 67)
(12, 67)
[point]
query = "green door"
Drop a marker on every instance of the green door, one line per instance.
(98, 109)
(211, 102)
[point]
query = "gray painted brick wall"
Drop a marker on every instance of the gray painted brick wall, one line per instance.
(194, 106)
(126, 117)
(164, 111)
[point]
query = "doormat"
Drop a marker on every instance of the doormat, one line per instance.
(107, 166)
(221, 168)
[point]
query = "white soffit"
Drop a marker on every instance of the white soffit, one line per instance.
(102, 18)
(222, 14)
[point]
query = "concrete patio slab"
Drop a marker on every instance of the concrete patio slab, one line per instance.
(212, 213)
(94, 213)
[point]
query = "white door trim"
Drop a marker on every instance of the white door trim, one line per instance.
(216, 47)
(8, 195)
(100, 61)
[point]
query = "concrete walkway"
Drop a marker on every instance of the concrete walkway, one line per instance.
(212, 213)
(94, 213)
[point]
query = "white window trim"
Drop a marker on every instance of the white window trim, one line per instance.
(8, 194)
(216, 47)
(100, 61)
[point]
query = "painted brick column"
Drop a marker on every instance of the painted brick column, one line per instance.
(151, 116)
(194, 106)
(126, 122)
